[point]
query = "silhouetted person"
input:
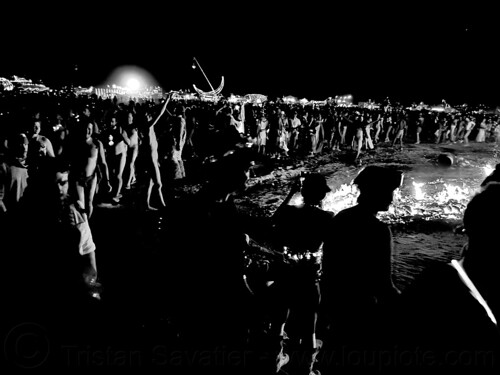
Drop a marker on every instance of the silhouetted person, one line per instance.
(206, 240)
(451, 311)
(116, 154)
(300, 232)
(88, 155)
(492, 177)
(55, 264)
(150, 149)
(356, 284)
(13, 173)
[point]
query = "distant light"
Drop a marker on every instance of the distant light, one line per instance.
(133, 84)
(437, 109)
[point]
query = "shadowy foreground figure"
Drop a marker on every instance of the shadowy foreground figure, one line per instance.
(356, 285)
(449, 315)
(300, 232)
(53, 272)
(210, 298)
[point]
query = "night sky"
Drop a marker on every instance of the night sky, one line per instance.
(410, 53)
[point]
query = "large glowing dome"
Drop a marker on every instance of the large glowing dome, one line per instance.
(131, 78)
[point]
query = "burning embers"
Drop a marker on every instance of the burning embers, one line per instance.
(424, 200)
(430, 201)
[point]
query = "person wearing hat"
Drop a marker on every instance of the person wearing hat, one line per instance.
(299, 232)
(357, 283)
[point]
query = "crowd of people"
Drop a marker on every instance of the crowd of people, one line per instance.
(330, 291)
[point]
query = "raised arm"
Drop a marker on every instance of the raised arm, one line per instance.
(296, 186)
(162, 111)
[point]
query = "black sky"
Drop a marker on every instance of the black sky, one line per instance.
(410, 52)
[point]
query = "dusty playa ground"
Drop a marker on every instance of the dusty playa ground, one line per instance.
(427, 209)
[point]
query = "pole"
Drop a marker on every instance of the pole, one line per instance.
(199, 66)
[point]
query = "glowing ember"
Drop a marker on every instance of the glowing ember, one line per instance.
(419, 194)
(431, 200)
(346, 196)
(488, 169)
(452, 192)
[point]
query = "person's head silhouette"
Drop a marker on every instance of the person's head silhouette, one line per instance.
(481, 255)
(481, 222)
(229, 174)
(314, 188)
(376, 186)
(492, 177)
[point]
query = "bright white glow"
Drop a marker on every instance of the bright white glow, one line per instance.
(132, 78)
(488, 169)
(448, 202)
(419, 194)
(452, 192)
(437, 109)
(133, 84)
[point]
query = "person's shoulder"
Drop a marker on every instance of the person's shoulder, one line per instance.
(322, 219)
(325, 214)
(346, 213)
(290, 208)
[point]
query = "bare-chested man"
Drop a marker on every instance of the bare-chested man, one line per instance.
(116, 154)
(178, 135)
(150, 144)
(43, 144)
(39, 149)
(88, 155)
(131, 138)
